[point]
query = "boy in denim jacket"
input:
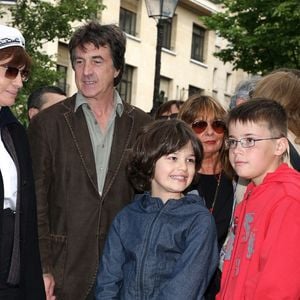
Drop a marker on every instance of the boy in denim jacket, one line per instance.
(163, 245)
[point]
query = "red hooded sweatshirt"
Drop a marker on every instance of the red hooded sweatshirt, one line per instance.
(262, 258)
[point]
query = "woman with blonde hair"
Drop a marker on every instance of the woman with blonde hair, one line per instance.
(206, 117)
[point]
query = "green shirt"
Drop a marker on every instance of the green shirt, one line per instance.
(101, 141)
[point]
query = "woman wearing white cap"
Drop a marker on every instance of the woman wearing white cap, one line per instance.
(20, 268)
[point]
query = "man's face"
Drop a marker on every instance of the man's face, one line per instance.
(94, 71)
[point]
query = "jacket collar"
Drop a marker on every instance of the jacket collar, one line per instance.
(6, 117)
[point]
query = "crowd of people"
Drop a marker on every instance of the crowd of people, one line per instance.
(100, 200)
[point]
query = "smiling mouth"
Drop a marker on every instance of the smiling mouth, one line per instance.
(179, 177)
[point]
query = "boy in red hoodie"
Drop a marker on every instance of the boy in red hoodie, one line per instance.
(262, 256)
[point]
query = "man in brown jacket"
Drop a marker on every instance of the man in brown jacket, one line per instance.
(79, 148)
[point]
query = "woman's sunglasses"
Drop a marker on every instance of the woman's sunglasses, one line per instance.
(12, 73)
(171, 116)
(217, 125)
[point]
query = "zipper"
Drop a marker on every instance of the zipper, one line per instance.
(141, 274)
(236, 237)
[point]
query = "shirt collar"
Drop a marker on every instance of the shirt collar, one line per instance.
(118, 104)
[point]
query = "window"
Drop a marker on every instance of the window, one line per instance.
(167, 33)
(164, 87)
(62, 82)
(194, 90)
(125, 86)
(228, 83)
(198, 43)
(128, 21)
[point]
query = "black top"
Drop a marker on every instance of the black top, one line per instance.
(206, 185)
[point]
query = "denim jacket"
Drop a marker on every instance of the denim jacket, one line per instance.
(159, 251)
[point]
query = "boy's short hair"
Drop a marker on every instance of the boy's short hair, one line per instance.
(261, 110)
(155, 140)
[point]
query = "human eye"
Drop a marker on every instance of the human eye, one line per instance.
(231, 143)
(191, 160)
(248, 141)
(97, 60)
(78, 61)
(172, 157)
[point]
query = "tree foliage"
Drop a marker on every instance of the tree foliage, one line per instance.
(45, 21)
(262, 35)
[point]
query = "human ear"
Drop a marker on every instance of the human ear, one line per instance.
(282, 145)
(32, 112)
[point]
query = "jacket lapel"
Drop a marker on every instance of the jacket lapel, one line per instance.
(80, 134)
(120, 145)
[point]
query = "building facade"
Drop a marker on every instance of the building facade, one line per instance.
(187, 61)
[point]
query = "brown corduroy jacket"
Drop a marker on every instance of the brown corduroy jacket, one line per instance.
(73, 219)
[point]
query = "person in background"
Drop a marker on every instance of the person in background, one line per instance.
(262, 253)
(20, 266)
(168, 110)
(80, 148)
(163, 245)
(42, 98)
(243, 91)
(283, 86)
(206, 117)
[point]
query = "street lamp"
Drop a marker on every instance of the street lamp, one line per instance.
(159, 10)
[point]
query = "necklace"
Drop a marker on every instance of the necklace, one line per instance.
(216, 192)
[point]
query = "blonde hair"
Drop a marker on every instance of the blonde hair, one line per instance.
(284, 88)
(201, 105)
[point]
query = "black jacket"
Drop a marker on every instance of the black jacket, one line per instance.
(31, 281)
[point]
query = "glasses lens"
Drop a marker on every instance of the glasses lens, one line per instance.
(199, 126)
(218, 126)
(173, 116)
(11, 72)
(230, 143)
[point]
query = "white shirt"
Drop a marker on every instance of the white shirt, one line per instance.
(9, 176)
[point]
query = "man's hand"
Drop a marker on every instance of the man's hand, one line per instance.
(49, 284)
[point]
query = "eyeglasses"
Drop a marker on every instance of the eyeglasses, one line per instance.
(245, 142)
(217, 125)
(171, 116)
(12, 73)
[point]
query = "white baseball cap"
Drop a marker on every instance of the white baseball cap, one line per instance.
(10, 37)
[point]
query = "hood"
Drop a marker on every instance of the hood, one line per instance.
(285, 177)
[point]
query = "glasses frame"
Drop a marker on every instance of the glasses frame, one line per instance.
(12, 73)
(247, 142)
(218, 126)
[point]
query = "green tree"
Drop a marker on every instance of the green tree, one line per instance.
(41, 22)
(262, 35)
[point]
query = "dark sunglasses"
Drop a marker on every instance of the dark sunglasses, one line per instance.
(12, 73)
(172, 116)
(217, 125)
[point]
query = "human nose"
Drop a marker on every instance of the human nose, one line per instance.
(209, 130)
(87, 68)
(182, 164)
(18, 82)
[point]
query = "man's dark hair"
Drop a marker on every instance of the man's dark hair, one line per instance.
(155, 140)
(35, 99)
(99, 36)
(166, 107)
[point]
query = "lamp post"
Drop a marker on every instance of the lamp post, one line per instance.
(159, 10)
